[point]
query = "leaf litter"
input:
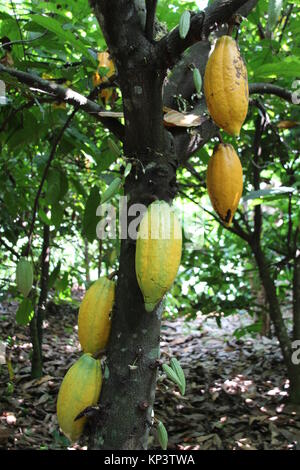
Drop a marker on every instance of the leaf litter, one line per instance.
(236, 389)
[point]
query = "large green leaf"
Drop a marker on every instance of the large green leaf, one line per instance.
(90, 219)
(268, 194)
(53, 25)
(25, 312)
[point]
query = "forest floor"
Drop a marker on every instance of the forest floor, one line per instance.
(235, 396)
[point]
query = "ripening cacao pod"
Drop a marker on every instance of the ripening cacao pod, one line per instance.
(24, 276)
(224, 181)
(105, 62)
(80, 388)
(94, 316)
(158, 252)
(226, 86)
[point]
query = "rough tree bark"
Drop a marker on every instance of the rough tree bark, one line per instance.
(268, 280)
(36, 324)
(128, 392)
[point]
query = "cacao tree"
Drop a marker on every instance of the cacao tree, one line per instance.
(49, 64)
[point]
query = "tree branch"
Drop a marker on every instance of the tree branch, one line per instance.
(18, 25)
(9, 248)
(268, 88)
(67, 95)
(289, 12)
(259, 128)
(51, 156)
(296, 298)
(237, 230)
(150, 18)
(23, 41)
(170, 48)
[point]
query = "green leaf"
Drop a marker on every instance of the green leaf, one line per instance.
(180, 374)
(43, 216)
(127, 169)
(24, 276)
(90, 219)
(25, 312)
(53, 276)
(274, 10)
(57, 213)
(79, 188)
(53, 187)
(267, 194)
(112, 189)
(162, 435)
(286, 68)
(197, 80)
(66, 36)
(113, 147)
(171, 375)
(62, 284)
(184, 24)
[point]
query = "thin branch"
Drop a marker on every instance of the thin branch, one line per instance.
(61, 93)
(194, 172)
(259, 128)
(244, 219)
(51, 156)
(261, 31)
(296, 298)
(9, 248)
(27, 105)
(150, 18)
(290, 225)
(170, 48)
(18, 25)
(22, 41)
(289, 12)
(268, 88)
(237, 230)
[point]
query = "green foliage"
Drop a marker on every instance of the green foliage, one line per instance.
(162, 435)
(218, 273)
(25, 312)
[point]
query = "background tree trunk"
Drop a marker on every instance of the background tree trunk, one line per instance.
(36, 324)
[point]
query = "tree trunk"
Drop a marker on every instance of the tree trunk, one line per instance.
(294, 390)
(36, 324)
(128, 393)
(295, 373)
(293, 369)
(37, 358)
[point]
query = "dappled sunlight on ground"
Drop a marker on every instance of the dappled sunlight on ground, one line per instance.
(235, 396)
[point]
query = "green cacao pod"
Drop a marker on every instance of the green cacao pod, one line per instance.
(158, 252)
(24, 276)
(80, 388)
(94, 316)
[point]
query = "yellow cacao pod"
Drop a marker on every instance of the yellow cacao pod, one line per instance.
(94, 316)
(224, 181)
(24, 276)
(104, 61)
(80, 388)
(158, 252)
(226, 86)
